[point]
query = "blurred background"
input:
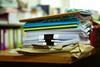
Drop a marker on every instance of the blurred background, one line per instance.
(14, 10)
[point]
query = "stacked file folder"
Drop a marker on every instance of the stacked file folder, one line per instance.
(64, 28)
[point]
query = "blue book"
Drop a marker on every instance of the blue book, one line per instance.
(44, 24)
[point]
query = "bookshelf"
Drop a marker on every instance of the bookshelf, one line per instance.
(10, 25)
(10, 36)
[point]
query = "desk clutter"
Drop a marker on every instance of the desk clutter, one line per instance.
(43, 37)
(68, 33)
(76, 50)
(60, 30)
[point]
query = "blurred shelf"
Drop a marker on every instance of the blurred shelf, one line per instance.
(10, 25)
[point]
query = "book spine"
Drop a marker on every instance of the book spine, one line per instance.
(15, 38)
(51, 27)
(11, 40)
(29, 25)
(19, 38)
(52, 20)
(0, 40)
(6, 39)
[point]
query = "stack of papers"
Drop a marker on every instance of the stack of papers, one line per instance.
(65, 30)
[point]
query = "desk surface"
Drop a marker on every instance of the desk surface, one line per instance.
(63, 58)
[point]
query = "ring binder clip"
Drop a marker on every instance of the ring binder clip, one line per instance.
(48, 38)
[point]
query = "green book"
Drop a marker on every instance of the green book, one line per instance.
(11, 39)
(19, 38)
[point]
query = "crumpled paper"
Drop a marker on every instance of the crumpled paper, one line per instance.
(82, 51)
(77, 50)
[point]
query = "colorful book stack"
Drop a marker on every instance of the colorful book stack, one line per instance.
(63, 27)
(56, 23)
(10, 36)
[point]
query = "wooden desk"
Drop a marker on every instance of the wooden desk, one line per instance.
(59, 58)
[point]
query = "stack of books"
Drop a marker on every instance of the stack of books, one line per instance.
(10, 36)
(56, 23)
(54, 30)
